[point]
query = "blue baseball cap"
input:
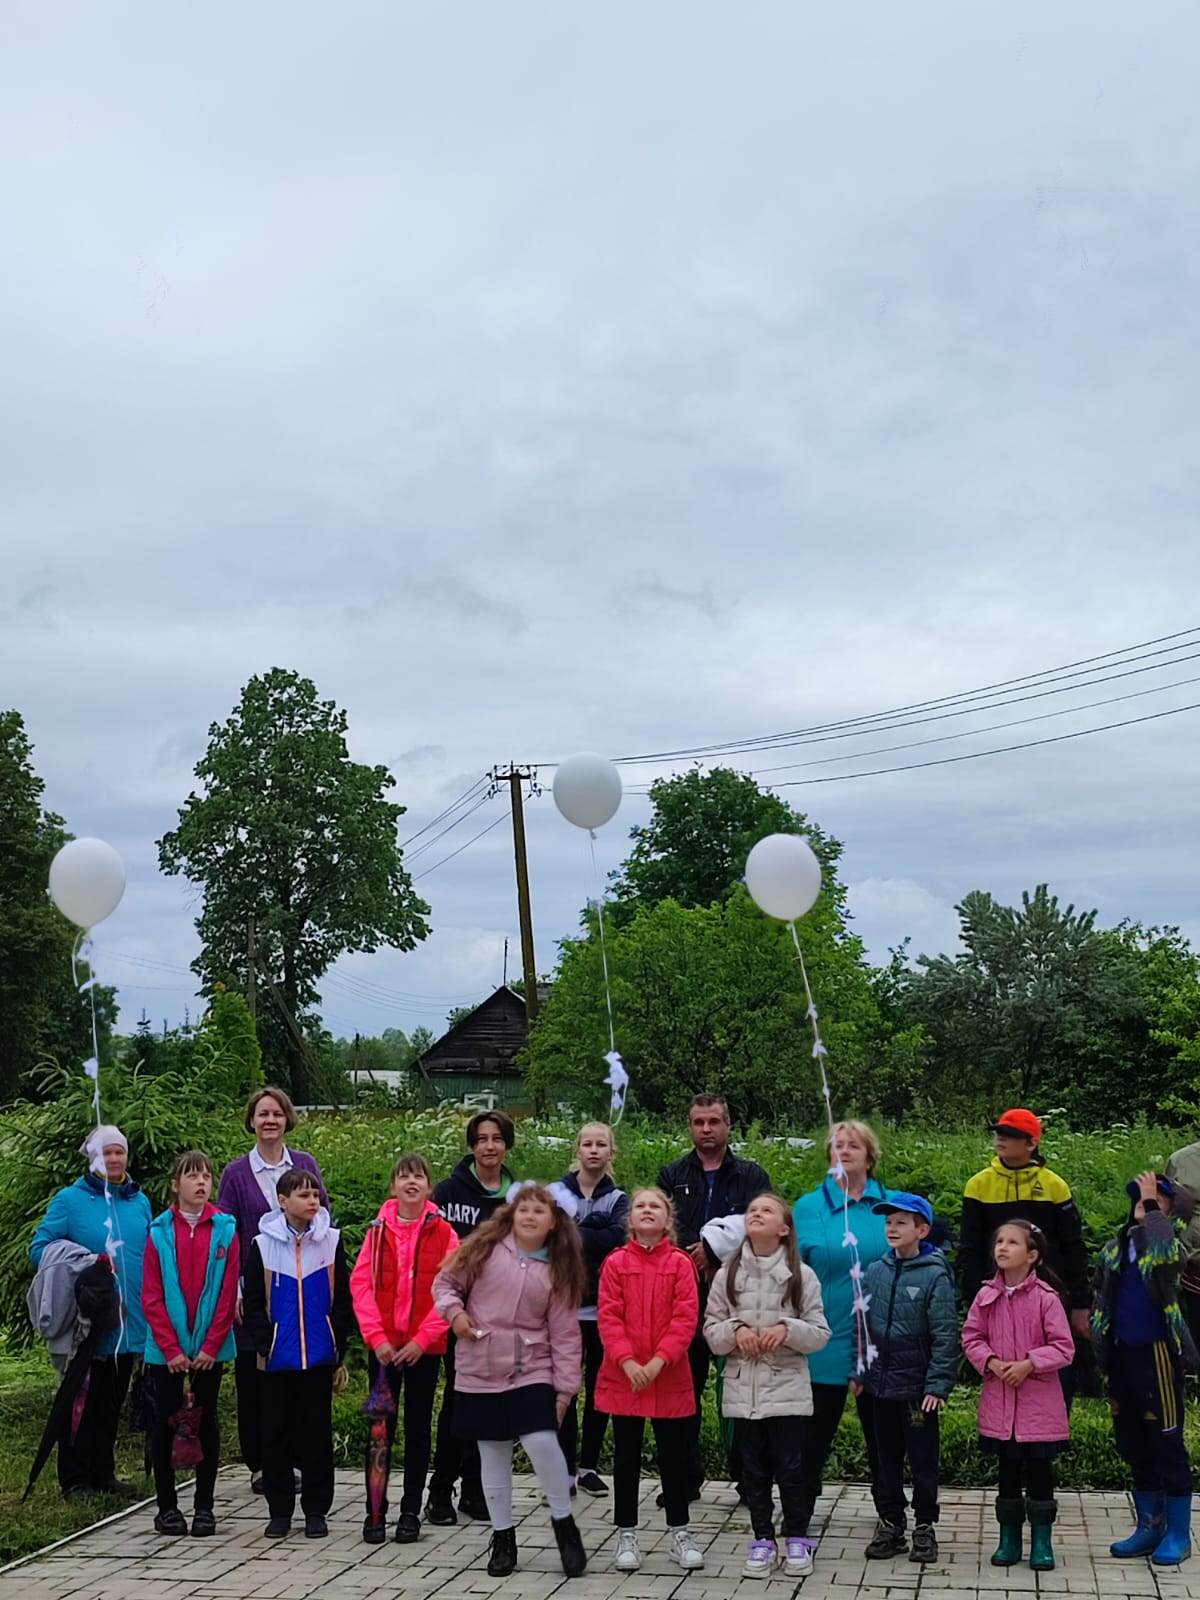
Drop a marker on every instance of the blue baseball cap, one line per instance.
(905, 1202)
(1165, 1186)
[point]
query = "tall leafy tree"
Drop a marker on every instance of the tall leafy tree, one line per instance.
(703, 826)
(41, 1013)
(289, 834)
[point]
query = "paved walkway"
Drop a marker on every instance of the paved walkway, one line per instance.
(127, 1560)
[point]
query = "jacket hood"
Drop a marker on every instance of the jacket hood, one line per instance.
(122, 1191)
(465, 1174)
(928, 1255)
(995, 1288)
(570, 1180)
(1034, 1164)
(275, 1226)
(389, 1215)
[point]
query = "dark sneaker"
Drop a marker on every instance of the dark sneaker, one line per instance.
(78, 1494)
(473, 1506)
(924, 1543)
(172, 1522)
(204, 1524)
(591, 1483)
(439, 1509)
(279, 1527)
(408, 1529)
(889, 1541)
(374, 1530)
(122, 1490)
(316, 1528)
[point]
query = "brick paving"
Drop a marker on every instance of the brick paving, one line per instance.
(127, 1560)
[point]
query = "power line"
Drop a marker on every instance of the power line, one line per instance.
(495, 822)
(450, 827)
(443, 814)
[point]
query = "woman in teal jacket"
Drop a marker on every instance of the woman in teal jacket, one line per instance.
(105, 1211)
(822, 1218)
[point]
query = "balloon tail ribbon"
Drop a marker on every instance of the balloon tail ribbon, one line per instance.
(616, 1069)
(83, 952)
(865, 1351)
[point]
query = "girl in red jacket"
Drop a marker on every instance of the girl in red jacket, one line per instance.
(392, 1289)
(189, 1295)
(649, 1306)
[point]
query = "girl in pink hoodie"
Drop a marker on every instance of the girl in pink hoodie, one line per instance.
(1017, 1334)
(511, 1293)
(392, 1289)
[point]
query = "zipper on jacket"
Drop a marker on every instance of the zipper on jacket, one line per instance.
(887, 1327)
(300, 1307)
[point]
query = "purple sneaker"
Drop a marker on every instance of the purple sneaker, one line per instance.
(798, 1558)
(761, 1556)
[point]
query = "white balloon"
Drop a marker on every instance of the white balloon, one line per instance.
(87, 881)
(783, 876)
(587, 790)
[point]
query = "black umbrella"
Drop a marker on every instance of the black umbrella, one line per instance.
(98, 1299)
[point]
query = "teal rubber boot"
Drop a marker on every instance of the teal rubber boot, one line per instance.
(1010, 1514)
(1151, 1508)
(1176, 1544)
(1041, 1515)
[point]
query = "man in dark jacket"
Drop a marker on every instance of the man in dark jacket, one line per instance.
(709, 1182)
(913, 1324)
(467, 1198)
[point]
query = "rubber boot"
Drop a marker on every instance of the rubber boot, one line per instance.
(1176, 1544)
(1010, 1514)
(502, 1558)
(1041, 1515)
(1151, 1508)
(570, 1546)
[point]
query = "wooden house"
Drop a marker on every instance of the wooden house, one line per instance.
(474, 1062)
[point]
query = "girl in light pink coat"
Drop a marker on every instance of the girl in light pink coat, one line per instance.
(1017, 1334)
(511, 1293)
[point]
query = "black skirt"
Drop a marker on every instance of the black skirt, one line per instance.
(1014, 1449)
(507, 1415)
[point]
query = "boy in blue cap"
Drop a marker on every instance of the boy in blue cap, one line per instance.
(913, 1325)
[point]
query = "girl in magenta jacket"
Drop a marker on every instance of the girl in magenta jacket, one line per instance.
(1018, 1336)
(649, 1305)
(511, 1293)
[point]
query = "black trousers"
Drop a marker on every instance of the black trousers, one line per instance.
(248, 1382)
(417, 1384)
(169, 1391)
(594, 1422)
(453, 1458)
(904, 1432)
(1033, 1477)
(1145, 1392)
(88, 1460)
(771, 1451)
(1190, 1304)
(829, 1401)
(297, 1426)
(672, 1440)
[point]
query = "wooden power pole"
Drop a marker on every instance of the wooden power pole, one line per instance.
(516, 776)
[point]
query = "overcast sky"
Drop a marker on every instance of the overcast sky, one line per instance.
(539, 377)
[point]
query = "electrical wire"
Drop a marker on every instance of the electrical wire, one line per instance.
(443, 814)
(494, 823)
(449, 828)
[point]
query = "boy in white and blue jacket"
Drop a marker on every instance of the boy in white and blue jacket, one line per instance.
(298, 1314)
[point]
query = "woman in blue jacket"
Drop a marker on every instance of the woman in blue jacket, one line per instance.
(105, 1211)
(843, 1201)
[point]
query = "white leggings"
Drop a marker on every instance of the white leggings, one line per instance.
(545, 1453)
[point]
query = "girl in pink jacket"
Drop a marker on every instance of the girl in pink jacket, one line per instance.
(511, 1293)
(1018, 1336)
(392, 1289)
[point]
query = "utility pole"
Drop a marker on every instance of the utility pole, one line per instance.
(515, 777)
(251, 977)
(505, 978)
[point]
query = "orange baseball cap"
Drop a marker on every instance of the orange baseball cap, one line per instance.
(1018, 1120)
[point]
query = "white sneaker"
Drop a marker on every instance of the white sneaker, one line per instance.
(628, 1557)
(685, 1552)
(761, 1556)
(798, 1557)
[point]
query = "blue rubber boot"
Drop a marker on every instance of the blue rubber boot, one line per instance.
(1176, 1544)
(1151, 1508)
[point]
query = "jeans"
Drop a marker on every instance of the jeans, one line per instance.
(672, 1439)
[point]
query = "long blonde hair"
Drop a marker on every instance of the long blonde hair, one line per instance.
(588, 1127)
(660, 1194)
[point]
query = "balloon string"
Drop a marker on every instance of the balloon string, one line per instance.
(83, 947)
(865, 1351)
(612, 1038)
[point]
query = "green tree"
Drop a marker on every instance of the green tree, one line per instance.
(703, 826)
(1040, 1005)
(290, 835)
(42, 1014)
(227, 1046)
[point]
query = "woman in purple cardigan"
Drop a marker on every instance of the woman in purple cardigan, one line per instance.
(247, 1192)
